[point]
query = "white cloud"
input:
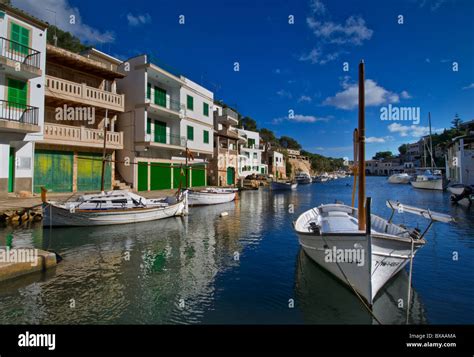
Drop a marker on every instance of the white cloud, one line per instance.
(374, 139)
(284, 94)
(301, 119)
(138, 19)
(411, 130)
(405, 95)
(349, 98)
(353, 31)
(304, 98)
(433, 4)
(470, 86)
(64, 11)
(317, 7)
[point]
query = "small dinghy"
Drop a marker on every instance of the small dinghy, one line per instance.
(283, 186)
(400, 178)
(113, 207)
(211, 196)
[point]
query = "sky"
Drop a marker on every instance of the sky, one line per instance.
(297, 60)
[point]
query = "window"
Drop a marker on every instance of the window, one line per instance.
(160, 97)
(21, 37)
(190, 103)
(255, 156)
(148, 91)
(206, 137)
(148, 126)
(205, 109)
(251, 143)
(190, 132)
(17, 93)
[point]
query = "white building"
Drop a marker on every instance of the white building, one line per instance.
(165, 113)
(250, 156)
(460, 160)
(22, 78)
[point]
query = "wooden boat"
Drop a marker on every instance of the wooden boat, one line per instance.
(402, 178)
(303, 178)
(361, 249)
(114, 207)
(211, 196)
(428, 181)
(283, 186)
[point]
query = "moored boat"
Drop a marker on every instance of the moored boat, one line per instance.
(402, 178)
(303, 178)
(428, 181)
(283, 186)
(211, 196)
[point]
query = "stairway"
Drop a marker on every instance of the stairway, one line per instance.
(119, 185)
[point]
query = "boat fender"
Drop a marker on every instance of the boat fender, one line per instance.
(224, 214)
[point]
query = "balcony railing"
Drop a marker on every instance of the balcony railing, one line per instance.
(168, 104)
(84, 93)
(82, 135)
(230, 113)
(19, 53)
(17, 112)
(168, 139)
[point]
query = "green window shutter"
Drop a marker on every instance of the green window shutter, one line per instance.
(251, 142)
(148, 90)
(190, 133)
(160, 97)
(21, 37)
(206, 137)
(205, 109)
(190, 103)
(148, 126)
(17, 93)
(160, 132)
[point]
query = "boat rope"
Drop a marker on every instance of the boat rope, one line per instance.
(409, 279)
(354, 289)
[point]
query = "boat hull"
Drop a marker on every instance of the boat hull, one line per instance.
(197, 198)
(283, 186)
(57, 216)
(399, 179)
(429, 184)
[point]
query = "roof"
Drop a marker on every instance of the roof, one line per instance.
(23, 15)
(101, 54)
(74, 60)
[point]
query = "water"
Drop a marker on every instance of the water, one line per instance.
(246, 267)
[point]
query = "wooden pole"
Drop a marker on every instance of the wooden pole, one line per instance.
(361, 156)
(104, 152)
(354, 167)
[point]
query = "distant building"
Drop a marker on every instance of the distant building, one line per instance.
(460, 160)
(250, 154)
(296, 155)
(276, 164)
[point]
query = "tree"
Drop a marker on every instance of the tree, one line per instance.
(402, 149)
(383, 155)
(248, 123)
(268, 136)
(65, 40)
(456, 121)
(289, 143)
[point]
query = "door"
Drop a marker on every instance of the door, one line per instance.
(160, 176)
(142, 176)
(198, 176)
(89, 172)
(230, 175)
(160, 97)
(160, 132)
(179, 177)
(11, 170)
(53, 170)
(20, 37)
(17, 93)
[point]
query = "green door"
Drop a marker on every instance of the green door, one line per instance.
(262, 170)
(160, 97)
(17, 93)
(198, 176)
(160, 132)
(179, 176)
(89, 172)
(20, 37)
(11, 170)
(53, 170)
(230, 175)
(160, 176)
(143, 176)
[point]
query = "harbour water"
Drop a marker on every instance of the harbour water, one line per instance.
(246, 267)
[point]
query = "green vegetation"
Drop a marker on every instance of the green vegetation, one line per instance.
(383, 155)
(248, 123)
(320, 163)
(65, 40)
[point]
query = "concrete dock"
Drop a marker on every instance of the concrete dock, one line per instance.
(16, 262)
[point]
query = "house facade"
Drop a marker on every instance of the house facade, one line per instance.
(224, 165)
(80, 98)
(22, 82)
(166, 116)
(276, 164)
(250, 154)
(460, 160)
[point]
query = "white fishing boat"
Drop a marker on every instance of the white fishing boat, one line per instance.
(402, 178)
(461, 194)
(428, 181)
(211, 196)
(113, 207)
(303, 178)
(458, 188)
(283, 186)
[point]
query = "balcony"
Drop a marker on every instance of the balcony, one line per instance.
(81, 136)
(228, 117)
(166, 141)
(81, 93)
(16, 117)
(168, 108)
(19, 60)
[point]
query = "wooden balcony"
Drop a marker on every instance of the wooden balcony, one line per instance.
(81, 136)
(65, 90)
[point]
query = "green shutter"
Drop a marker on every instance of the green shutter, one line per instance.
(179, 176)
(160, 132)
(160, 176)
(160, 97)
(148, 125)
(199, 176)
(89, 172)
(148, 90)
(17, 93)
(190, 103)
(11, 170)
(190, 133)
(20, 37)
(205, 110)
(53, 170)
(206, 137)
(251, 142)
(142, 176)
(230, 175)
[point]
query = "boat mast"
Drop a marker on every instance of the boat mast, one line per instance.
(361, 147)
(104, 151)
(431, 140)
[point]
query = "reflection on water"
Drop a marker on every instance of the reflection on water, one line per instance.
(241, 268)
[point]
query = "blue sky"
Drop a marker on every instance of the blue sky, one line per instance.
(299, 66)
